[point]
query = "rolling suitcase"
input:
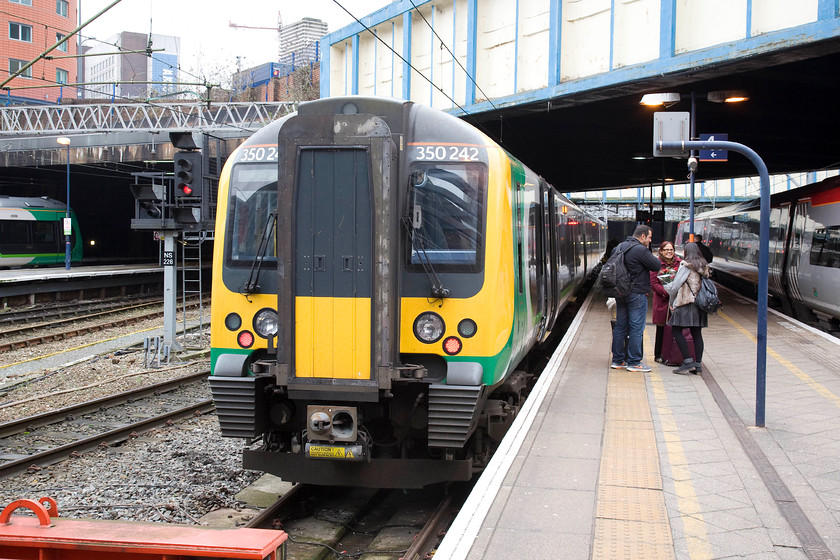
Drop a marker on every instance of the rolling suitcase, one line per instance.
(670, 351)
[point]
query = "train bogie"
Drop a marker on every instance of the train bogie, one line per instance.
(394, 269)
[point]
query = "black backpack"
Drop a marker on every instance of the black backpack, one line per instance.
(706, 297)
(615, 280)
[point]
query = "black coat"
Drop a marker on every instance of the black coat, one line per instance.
(639, 262)
(706, 252)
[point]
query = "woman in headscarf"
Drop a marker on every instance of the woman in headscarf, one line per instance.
(684, 314)
(658, 280)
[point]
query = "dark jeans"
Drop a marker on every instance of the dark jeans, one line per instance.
(630, 316)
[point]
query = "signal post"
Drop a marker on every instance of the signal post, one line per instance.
(176, 206)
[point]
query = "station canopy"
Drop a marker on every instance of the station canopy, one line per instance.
(603, 139)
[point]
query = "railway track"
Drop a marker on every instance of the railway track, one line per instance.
(63, 310)
(8, 341)
(47, 438)
(355, 523)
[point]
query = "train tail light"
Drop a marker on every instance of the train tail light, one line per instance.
(245, 339)
(452, 345)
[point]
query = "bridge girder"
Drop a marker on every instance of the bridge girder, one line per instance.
(121, 131)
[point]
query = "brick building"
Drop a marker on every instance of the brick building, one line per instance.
(29, 27)
(273, 81)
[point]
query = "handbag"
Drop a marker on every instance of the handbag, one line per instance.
(706, 297)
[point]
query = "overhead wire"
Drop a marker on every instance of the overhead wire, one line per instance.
(499, 138)
(398, 55)
(172, 106)
(455, 58)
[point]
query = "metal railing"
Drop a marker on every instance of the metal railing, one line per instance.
(122, 117)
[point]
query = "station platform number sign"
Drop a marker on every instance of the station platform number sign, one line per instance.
(714, 155)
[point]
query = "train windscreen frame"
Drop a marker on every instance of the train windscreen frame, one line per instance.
(447, 212)
(252, 201)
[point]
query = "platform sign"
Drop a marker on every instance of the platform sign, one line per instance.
(670, 126)
(714, 155)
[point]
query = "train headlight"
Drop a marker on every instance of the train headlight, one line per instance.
(429, 327)
(266, 322)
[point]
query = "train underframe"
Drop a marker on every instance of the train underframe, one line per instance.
(415, 434)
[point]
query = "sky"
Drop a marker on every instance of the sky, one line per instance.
(208, 43)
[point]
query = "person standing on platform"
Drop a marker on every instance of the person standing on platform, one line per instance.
(684, 314)
(631, 310)
(704, 250)
(670, 262)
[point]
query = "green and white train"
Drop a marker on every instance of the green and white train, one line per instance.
(31, 232)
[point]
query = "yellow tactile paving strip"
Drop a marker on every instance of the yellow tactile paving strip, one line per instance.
(631, 519)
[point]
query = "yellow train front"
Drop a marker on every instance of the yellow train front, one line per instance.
(381, 269)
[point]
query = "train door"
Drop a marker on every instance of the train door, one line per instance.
(794, 253)
(779, 221)
(332, 264)
(336, 219)
(549, 221)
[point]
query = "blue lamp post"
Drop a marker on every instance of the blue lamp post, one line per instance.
(64, 141)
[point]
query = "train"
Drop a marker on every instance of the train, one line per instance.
(804, 263)
(380, 270)
(32, 232)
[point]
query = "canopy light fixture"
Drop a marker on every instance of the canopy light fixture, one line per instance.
(727, 96)
(659, 99)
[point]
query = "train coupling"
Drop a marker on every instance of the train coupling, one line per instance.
(333, 433)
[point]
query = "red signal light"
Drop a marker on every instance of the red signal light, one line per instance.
(186, 189)
(452, 345)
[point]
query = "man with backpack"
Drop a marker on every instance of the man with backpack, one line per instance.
(631, 308)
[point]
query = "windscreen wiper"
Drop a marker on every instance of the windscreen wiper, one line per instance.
(251, 286)
(438, 289)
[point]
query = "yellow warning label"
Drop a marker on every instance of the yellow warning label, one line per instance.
(326, 452)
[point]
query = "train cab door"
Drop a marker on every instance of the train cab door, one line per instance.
(332, 263)
(334, 224)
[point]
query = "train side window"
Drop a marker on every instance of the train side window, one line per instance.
(43, 232)
(14, 236)
(825, 247)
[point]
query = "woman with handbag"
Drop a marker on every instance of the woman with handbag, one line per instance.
(684, 314)
(658, 280)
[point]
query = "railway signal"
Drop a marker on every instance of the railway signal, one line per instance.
(188, 175)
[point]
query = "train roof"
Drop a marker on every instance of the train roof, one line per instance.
(31, 202)
(422, 121)
(820, 188)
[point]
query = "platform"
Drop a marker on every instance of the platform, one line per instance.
(613, 464)
(30, 282)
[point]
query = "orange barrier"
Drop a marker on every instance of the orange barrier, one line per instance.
(48, 536)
